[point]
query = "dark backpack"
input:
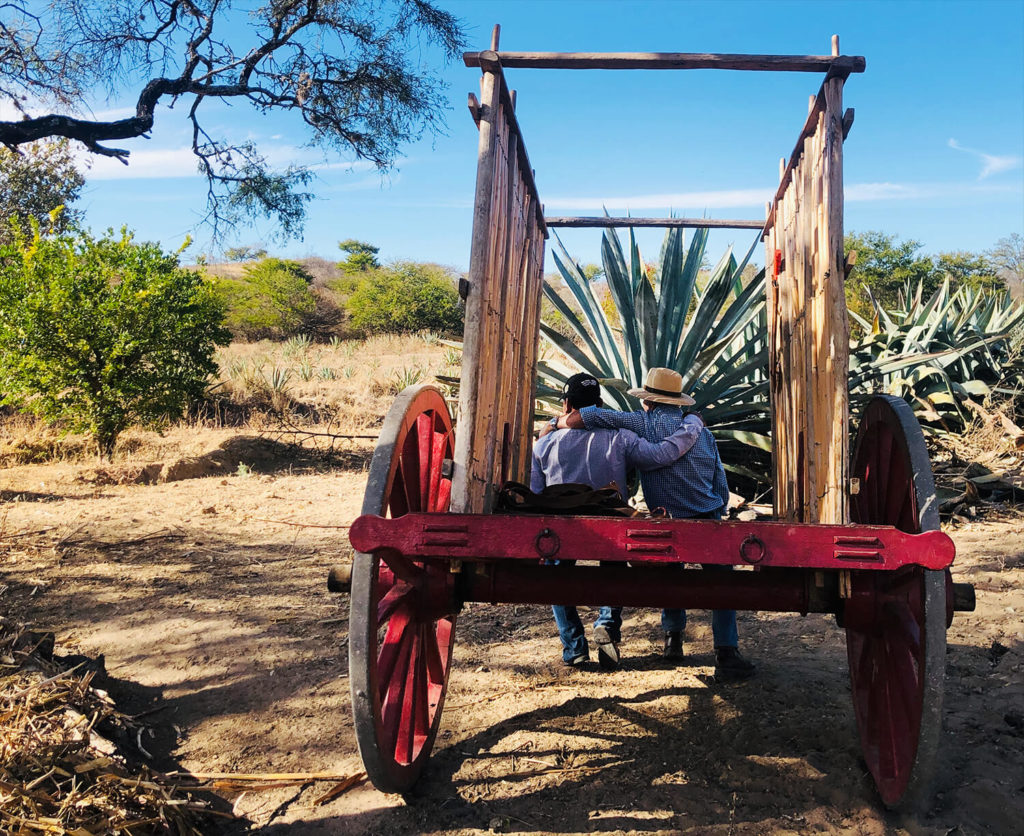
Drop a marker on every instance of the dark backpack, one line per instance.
(564, 500)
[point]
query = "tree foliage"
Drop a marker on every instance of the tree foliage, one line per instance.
(103, 333)
(404, 298)
(271, 299)
(245, 253)
(34, 180)
(348, 70)
(361, 256)
(1008, 258)
(887, 266)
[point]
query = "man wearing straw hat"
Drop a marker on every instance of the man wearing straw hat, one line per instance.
(597, 459)
(692, 487)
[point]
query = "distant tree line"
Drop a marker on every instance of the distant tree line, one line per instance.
(886, 266)
(274, 298)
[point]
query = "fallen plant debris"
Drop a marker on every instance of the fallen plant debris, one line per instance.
(61, 771)
(980, 471)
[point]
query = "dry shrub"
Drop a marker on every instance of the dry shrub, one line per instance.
(61, 763)
(991, 438)
(36, 442)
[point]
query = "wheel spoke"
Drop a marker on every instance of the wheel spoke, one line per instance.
(398, 501)
(883, 474)
(881, 712)
(411, 470)
(898, 494)
(905, 677)
(421, 726)
(395, 598)
(444, 495)
(424, 451)
(439, 445)
(909, 627)
(390, 651)
(392, 713)
(406, 723)
(873, 476)
(432, 655)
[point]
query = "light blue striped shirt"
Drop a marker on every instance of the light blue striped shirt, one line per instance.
(601, 457)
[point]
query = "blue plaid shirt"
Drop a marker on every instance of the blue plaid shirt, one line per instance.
(693, 484)
(602, 457)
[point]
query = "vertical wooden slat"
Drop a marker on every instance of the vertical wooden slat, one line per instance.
(476, 303)
(834, 379)
(502, 311)
(808, 331)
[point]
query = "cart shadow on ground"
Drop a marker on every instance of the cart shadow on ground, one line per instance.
(779, 752)
(639, 750)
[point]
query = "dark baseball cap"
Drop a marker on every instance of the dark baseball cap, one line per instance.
(582, 390)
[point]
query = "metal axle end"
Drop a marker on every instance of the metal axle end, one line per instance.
(339, 579)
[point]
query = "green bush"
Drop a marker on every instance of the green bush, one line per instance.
(103, 333)
(271, 300)
(362, 257)
(405, 298)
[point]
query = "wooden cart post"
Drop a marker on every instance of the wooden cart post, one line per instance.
(499, 355)
(808, 334)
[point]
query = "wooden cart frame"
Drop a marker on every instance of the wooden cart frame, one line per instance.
(857, 537)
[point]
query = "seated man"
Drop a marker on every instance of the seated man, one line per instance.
(692, 487)
(598, 459)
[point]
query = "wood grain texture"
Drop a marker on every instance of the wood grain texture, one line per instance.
(494, 421)
(807, 328)
(670, 61)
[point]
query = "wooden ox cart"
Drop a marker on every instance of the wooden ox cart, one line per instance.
(853, 534)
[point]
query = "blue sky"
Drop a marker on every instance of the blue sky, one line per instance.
(935, 153)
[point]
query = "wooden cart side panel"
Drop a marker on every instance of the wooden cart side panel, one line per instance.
(808, 331)
(494, 422)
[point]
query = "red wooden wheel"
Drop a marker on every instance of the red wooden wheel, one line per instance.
(402, 620)
(896, 622)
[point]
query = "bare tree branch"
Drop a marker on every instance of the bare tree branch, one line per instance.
(347, 69)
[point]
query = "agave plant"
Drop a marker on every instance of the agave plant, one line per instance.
(713, 331)
(939, 353)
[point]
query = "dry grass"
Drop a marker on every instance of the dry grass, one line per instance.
(349, 382)
(345, 387)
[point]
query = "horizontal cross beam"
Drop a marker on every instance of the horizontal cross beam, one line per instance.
(685, 223)
(835, 64)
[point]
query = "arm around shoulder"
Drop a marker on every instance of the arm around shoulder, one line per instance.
(594, 417)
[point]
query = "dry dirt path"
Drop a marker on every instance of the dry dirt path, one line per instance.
(200, 594)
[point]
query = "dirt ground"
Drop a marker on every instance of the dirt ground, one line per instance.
(207, 598)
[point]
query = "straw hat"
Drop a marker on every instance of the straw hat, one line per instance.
(663, 386)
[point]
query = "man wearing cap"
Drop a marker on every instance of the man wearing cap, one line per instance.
(597, 459)
(692, 487)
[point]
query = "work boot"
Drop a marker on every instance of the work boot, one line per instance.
(673, 647)
(607, 650)
(729, 664)
(576, 661)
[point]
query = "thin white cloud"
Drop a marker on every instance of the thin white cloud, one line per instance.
(166, 163)
(113, 114)
(756, 198)
(868, 192)
(353, 165)
(726, 199)
(880, 191)
(170, 163)
(991, 163)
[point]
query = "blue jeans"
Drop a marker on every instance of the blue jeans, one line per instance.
(723, 622)
(570, 628)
